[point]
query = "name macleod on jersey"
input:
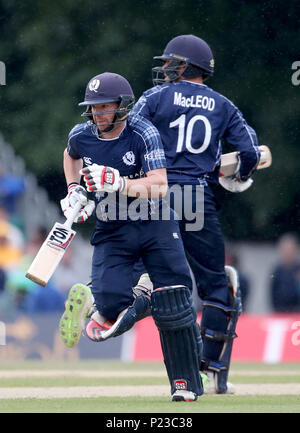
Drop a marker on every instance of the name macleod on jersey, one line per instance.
(195, 101)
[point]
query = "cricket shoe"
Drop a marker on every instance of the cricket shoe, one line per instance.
(183, 395)
(98, 328)
(77, 307)
(209, 381)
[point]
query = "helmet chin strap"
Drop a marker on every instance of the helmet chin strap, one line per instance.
(111, 126)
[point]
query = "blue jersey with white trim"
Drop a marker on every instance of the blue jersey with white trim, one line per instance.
(192, 120)
(136, 151)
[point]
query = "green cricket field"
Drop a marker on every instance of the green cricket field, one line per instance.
(120, 387)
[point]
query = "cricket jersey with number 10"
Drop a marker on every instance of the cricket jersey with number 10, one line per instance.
(192, 120)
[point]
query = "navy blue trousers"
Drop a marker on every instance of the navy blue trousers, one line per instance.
(118, 246)
(205, 252)
(205, 248)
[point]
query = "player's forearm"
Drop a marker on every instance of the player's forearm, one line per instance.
(154, 185)
(71, 168)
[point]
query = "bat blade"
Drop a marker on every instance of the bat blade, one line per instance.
(50, 254)
(229, 161)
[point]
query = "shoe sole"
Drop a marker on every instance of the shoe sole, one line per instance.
(181, 398)
(72, 322)
(184, 396)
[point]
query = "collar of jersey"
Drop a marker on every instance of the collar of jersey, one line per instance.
(190, 82)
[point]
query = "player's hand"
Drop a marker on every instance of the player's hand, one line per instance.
(77, 193)
(232, 184)
(101, 178)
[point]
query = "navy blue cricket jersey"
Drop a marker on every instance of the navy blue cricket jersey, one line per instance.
(136, 151)
(192, 120)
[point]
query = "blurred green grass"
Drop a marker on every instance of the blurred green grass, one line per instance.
(241, 373)
(205, 404)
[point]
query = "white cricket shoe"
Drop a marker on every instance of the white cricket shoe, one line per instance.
(210, 386)
(183, 395)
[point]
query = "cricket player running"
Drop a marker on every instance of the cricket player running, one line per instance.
(121, 159)
(192, 119)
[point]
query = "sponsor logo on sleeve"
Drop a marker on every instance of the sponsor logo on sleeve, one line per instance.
(156, 154)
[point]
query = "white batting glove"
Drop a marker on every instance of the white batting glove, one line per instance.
(101, 178)
(232, 184)
(77, 193)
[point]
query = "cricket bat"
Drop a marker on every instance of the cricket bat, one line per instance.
(52, 250)
(229, 161)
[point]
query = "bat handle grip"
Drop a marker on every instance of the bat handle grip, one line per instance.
(69, 221)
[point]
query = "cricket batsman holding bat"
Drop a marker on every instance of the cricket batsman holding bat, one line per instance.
(121, 156)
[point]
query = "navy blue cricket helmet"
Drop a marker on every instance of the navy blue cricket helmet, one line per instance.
(189, 49)
(109, 87)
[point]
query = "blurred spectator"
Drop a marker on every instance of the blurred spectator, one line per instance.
(36, 238)
(30, 297)
(9, 254)
(39, 298)
(44, 299)
(7, 305)
(18, 288)
(285, 278)
(22, 294)
(14, 234)
(232, 260)
(11, 188)
(68, 273)
(2, 280)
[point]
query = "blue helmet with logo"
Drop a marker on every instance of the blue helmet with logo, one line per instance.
(109, 87)
(188, 49)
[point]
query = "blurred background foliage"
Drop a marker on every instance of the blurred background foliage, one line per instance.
(51, 50)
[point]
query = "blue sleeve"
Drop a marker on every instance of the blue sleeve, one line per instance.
(147, 104)
(150, 145)
(72, 144)
(243, 137)
(141, 108)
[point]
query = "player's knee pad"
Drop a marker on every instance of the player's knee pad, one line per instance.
(216, 333)
(221, 337)
(234, 289)
(175, 318)
(217, 336)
